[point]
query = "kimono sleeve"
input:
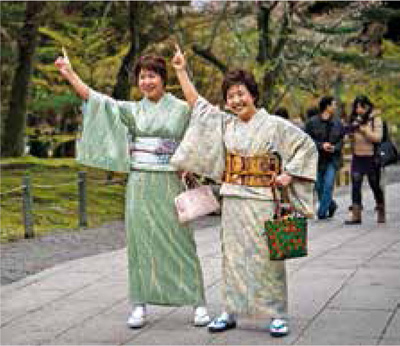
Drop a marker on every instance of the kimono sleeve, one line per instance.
(300, 158)
(104, 140)
(202, 150)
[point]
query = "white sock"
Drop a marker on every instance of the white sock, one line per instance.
(139, 308)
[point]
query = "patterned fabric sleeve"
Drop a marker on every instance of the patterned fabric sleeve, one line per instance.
(300, 157)
(202, 150)
(104, 141)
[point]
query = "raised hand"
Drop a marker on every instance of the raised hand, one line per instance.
(65, 68)
(179, 64)
(63, 64)
(179, 60)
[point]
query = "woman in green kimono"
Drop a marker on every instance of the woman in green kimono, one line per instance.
(164, 268)
(218, 143)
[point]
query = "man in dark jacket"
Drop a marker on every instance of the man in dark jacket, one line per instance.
(327, 131)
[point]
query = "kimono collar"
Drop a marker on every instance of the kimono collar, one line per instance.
(163, 99)
(260, 113)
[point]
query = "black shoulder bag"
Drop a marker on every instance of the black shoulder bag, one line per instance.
(386, 152)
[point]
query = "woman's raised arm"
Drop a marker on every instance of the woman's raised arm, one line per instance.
(65, 68)
(179, 64)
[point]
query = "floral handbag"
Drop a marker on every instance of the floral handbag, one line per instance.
(286, 232)
(196, 202)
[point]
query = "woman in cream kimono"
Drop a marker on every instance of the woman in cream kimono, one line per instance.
(249, 140)
(164, 268)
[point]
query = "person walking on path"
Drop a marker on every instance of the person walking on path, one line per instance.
(365, 130)
(164, 268)
(327, 131)
(249, 146)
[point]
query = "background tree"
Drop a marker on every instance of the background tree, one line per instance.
(143, 34)
(298, 50)
(12, 139)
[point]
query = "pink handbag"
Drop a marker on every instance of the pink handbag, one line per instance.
(196, 202)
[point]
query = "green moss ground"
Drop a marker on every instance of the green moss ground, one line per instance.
(55, 196)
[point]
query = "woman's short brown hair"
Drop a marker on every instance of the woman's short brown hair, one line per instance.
(153, 63)
(240, 77)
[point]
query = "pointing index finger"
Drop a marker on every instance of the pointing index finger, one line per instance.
(64, 53)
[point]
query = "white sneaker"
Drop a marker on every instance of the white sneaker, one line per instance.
(137, 319)
(278, 327)
(201, 318)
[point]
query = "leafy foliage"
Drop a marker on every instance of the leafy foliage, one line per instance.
(312, 46)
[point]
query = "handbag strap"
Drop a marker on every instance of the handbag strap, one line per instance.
(278, 209)
(284, 198)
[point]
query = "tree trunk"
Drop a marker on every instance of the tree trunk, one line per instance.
(264, 50)
(269, 52)
(264, 42)
(12, 143)
(125, 77)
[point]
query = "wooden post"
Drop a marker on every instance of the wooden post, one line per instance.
(82, 199)
(27, 204)
(347, 177)
(338, 178)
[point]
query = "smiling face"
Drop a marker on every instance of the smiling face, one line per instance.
(240, 102)
(151, 84)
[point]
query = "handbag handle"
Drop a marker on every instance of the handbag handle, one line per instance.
(278, 201)
(184, 180)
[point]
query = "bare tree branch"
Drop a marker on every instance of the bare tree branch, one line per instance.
(307, 65)
(209, 56)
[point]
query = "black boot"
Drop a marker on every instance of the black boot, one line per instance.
(332, 209)
(380, 208)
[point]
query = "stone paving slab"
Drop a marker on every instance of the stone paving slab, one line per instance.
(345, 326)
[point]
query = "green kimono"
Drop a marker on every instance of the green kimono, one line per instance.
(139, 138)
(252, 285)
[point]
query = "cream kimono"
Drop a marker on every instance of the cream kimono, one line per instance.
(163, 265)
(252, 284)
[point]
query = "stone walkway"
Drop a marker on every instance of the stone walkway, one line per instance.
(347, 291)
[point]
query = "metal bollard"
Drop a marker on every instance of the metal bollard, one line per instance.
(82, 199)
(27, 204)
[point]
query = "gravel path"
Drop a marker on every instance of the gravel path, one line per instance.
(29, 256)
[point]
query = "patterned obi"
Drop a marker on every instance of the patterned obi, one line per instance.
(252, 170)
(147, 151)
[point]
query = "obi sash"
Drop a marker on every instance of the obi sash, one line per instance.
(252, 170)
(152, 153)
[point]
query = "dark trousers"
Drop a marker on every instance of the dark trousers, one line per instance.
(373, 174)
(324, 186)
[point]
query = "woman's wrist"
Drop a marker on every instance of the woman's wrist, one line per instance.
(71, 75)
(180, 70)
(81, 88)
